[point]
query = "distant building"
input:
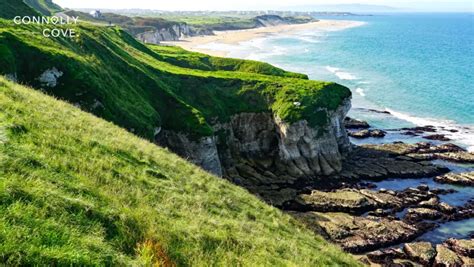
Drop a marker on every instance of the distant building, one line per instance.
(96, 14)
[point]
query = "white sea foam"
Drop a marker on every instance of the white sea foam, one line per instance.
(464, 135)
(360, 91)
(343, 75)
(307, 39)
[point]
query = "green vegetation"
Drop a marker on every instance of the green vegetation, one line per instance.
(12, 8)
(77, 190)
(227, 22)
(45, 7)
(108, 73)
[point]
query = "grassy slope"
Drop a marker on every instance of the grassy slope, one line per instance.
(142, 87)
(218, 22)
(12, 8)
(75, 189)
(45, 7)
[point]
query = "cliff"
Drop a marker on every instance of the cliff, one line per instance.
(259, 149)
(249, 121)
(154, 30)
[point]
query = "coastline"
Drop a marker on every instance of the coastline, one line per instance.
(235, 37)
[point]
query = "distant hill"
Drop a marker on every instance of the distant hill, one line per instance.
(45, 7)
(11, 8)
(355, 8)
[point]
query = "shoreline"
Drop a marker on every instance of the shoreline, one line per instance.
(197, 43)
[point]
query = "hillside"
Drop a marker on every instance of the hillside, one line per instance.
(75, 189)
(154, 28)
(142, 88)
(11, 8)
(45, 7)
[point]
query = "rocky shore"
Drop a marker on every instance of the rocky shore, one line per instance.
(329, 184)
(384, 226)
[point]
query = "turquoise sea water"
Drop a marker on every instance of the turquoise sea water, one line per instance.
(420, 67)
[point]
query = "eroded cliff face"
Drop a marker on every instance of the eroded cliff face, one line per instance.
(260, 150)
(172, 33)
(182, 30)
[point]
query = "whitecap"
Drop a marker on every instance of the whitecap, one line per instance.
(463, 135)
(360, 91)
(343, 75)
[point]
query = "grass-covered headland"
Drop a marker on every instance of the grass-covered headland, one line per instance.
(142, 87)
(77, 190)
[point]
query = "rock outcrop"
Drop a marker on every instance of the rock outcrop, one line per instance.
(202, 152)
(176, 31)
(466, 179)
(374, 163)
(426, 151)
(346, 200)
(358, 234)
(446, 257)
(424, 253)
(49, 77)
(351, 123)
(367, 133)
(169, 33)
(260, 150)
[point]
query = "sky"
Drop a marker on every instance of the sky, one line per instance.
(407, 5)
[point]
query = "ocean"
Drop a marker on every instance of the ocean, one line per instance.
(419, 67)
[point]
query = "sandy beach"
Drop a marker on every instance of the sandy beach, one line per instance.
(198, 43)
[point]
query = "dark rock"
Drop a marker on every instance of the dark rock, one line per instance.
(432, 203)
(461, 246)
(359, 234)
(466, 179)
(345, 200)
(446, 208)
(437, 137)
(421, 129)
(426, 151)
(421, 252)
(365, 261)
(374, 162)
(420, 214)
(367, 133)
(446, 257)
(401, 263)
(351, 123)
(423, 187)
(411, 133)
(459, 157)
(378, 213)
(384, 256)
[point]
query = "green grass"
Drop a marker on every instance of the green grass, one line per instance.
(219, 22)
(143, 87)
(45, 7)
(77, 190)
(12, 8)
